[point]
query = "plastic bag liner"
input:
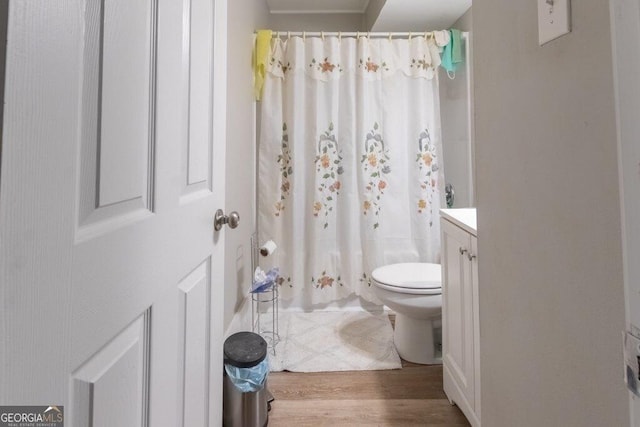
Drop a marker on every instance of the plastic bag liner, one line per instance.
(248, 379)
(262, 281)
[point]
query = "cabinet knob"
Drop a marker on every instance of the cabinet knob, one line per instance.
(463, 251)
(471, 256)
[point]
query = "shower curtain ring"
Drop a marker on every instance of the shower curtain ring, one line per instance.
(390, 35)
(288, 35)
(322, 35)
(410, 35)
(304, 35)
(339, 35)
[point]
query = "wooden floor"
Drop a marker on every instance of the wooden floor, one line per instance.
(411, 396)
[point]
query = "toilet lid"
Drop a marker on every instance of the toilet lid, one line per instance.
(416, 276)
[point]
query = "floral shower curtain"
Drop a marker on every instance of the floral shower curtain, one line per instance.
(350, 168)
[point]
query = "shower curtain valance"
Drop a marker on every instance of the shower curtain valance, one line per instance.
(370, 59)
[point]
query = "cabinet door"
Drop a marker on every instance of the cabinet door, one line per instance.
(473, 269)
(457, 310)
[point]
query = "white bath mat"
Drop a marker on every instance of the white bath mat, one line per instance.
(334, 341)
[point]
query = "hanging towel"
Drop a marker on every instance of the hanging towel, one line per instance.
(260, 58)
(452, 55)
(456, 51)
(442, 38)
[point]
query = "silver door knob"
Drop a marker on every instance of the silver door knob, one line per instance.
(221, 219)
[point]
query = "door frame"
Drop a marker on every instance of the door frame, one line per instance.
(219, 130)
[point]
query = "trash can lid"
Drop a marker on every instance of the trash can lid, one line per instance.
(244, 349)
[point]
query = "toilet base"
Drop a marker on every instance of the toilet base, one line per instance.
(414, 340)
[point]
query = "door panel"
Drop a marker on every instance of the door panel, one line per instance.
(475, 296)
(454, 295)
(111, 387)
(457, 309)
(111, 275)
(127, 41)
(200, 103)
(118, 113)
(193, 342)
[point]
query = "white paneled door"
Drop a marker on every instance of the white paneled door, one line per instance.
(112, 169)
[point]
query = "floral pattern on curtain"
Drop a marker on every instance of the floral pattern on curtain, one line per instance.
(284, 159)
(328, 170)
(350, 172)
(375, 166)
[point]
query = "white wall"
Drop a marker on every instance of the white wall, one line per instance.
(551, 285)
(373, 11)
(465, 22)
(317, 22)
(245, 16)
(625, 18)
(454, 116)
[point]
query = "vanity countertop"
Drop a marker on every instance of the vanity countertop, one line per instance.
(464, 218)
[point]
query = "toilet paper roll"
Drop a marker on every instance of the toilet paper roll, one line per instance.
(268, 248)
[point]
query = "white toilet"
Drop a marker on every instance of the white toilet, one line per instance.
(414, 292)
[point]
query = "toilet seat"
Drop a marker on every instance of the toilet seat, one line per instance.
(409, 278)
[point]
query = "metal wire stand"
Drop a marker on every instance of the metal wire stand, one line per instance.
(263, 304)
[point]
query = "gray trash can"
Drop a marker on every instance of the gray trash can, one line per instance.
(242, 352)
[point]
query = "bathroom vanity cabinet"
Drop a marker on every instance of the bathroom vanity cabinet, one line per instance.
(460, 319)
